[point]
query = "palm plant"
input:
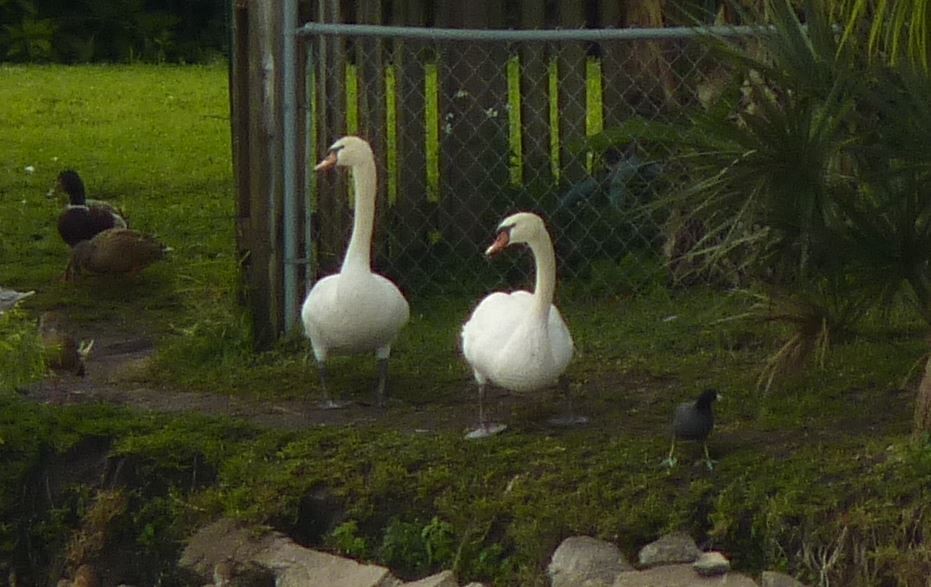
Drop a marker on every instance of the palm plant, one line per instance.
(895, 30)
(811, 177)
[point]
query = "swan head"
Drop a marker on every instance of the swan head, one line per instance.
(346, 152)
(523, 227)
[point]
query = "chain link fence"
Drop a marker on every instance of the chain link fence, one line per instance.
(470, 126)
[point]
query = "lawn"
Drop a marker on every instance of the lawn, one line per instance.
(826, 453)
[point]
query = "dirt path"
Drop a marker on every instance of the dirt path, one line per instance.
(115, 375)
(121, 354)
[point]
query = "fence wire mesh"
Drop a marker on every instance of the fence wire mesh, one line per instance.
(468, 130)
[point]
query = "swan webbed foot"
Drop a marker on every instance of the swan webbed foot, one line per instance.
(568, 420)
(486, 430)
(334, 404)
(328, 403)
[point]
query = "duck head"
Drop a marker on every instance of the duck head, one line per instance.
(70, 182)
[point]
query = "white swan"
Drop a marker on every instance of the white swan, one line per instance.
(519, 341)
(355, 310)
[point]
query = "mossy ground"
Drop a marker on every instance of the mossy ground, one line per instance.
(822, 464)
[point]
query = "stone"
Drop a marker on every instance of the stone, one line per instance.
(585, 560)
(677, 547)
(711, 564)
(681, 575)
(775, 579)
(292, 564)
(444, 579)
(296, 566)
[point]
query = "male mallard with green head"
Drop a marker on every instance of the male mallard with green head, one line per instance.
(82, 218)
(115, 250)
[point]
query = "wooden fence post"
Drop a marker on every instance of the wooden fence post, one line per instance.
(255, 103)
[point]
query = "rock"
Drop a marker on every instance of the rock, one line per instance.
(677, 547)
(475, 584)
(711, 564)
(291, 564)
(585, 560)
(682, 575)
(774, 579)
(444, 579)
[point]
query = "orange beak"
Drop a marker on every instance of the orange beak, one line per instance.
(328, 162)
(501, 241)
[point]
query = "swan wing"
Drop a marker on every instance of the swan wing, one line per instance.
(503, 343)
(353, 313)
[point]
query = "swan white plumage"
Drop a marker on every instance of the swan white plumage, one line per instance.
(355, 311)
(519, 340)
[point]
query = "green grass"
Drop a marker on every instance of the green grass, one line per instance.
(827, 451)
(154, 140)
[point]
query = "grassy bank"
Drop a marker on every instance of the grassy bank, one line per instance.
(820, 465)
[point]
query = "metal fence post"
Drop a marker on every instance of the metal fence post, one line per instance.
(289, 164)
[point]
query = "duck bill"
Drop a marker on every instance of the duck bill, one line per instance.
(328, 162)
(502, 241)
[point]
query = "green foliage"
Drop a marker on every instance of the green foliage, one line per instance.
(897, 31)
(345, 540)
(806, 179)
(112, 31)
(21, 353)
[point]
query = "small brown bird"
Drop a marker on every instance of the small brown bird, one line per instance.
(85, 576)
(116, 250)
(82, 218)
(63, 352)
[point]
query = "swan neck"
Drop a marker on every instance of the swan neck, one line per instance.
(359, 252)
(545, 287)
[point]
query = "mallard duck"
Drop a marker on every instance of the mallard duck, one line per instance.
(10, 297)
(82, 218)
(63, 352)
(115, 250)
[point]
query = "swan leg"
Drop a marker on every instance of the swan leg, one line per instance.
(328, 402)
(381, 388)
(484, 428)
(571, 418)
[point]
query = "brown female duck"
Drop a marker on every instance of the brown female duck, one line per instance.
(115, 250)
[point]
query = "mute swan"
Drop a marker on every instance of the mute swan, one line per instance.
(355, 310)
(519, 341)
